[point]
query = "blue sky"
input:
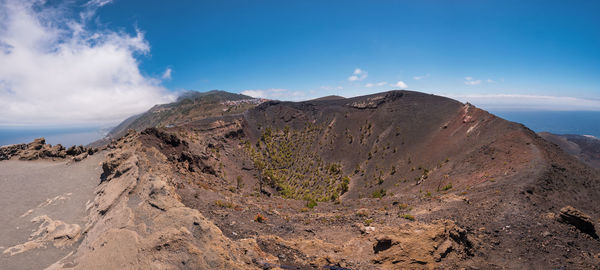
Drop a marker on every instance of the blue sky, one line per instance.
(511, 55)
(521, 47)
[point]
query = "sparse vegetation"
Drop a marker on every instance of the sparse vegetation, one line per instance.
(287, 162)
(224, 204)
(447, 187)
(239, 182)
(378, 194)
(311, 203)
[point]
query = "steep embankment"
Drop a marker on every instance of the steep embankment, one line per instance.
(585, 148)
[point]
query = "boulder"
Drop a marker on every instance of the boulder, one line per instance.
(75, 150)
(581, 221)
(54, 151)
(80, 157)
(37, 144)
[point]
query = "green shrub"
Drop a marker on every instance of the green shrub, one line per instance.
(240, 182)
(447, 187)
(260, 218)
(345, 184)
(311, 203)
(408, 216)
(378, 194)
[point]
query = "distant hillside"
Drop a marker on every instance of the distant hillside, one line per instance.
(585, 148)
(189, 107)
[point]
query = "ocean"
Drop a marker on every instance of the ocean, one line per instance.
(557, 122)
(66, 136)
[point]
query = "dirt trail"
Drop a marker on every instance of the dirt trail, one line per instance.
(54, 194)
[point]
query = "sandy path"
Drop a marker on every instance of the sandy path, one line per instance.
(29, 189)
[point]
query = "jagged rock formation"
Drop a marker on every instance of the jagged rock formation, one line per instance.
(581, 221)
(38, 149)
(138, 221)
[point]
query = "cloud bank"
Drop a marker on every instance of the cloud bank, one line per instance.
(54, 71)
(471, 81)
(528, 102)
(274, 93)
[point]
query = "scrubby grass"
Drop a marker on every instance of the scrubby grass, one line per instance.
(288, 161)
(224, 204)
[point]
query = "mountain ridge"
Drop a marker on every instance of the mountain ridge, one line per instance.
(398, 179)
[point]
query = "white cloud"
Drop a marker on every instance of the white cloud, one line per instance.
(358, 75)
(490, 81)
(327, 87)
(369, 85)
(418, 78)
(274, 93)
(471, 81)
(54, 70)
(167, 74)
(98, 3)
(527, 102)
(400, 85)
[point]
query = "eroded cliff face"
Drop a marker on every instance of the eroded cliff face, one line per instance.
(138, 222)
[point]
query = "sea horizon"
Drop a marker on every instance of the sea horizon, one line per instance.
(65, 136)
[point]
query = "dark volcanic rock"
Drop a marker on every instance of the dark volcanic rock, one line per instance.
(580, 220)
(38, 149)
(75, 150)
(37, 144)
(6, 152)
(167, 138)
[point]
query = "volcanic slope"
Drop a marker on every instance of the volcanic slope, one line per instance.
(394, 180)
(585, 148)
(190, 106)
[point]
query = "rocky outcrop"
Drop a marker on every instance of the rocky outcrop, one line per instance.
(138, 222)
(55, 232)
(374, 102)
(7, 152)
(580, 220)
(420, 244)
(38, 149)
